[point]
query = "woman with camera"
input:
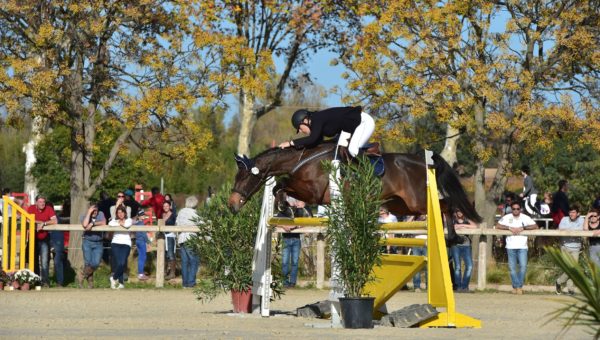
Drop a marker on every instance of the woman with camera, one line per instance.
(92, 245)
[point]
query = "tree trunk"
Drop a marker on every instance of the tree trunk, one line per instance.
(449, 151)
(30, 187)
(79, 204)
(247, 122)
(81, 171)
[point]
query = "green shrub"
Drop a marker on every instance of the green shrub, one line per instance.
(353, 231)
(225, 243)
(585, 310)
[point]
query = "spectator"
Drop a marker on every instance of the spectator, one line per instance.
(132, 203)
(419, 251)
(461, 252)
(190, 261)
(570, 245)
(120, 202)
(169, 198)
(92, 245)
(386, 217)
(529, 194)
(57, 244)
(105, 203)
(592, 222)
(516, 245)
(170, 218)
(546, 204)
(120, 246)
(141, 244)
(44, 215)
(560, 202)
(596, 203)
(292, 243)
(156, 202)
(504, 208)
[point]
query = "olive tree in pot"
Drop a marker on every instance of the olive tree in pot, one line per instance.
(354, 238)
(225, 243)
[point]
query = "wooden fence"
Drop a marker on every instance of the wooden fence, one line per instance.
(484, 233)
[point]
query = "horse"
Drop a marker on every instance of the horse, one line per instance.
(403, 187)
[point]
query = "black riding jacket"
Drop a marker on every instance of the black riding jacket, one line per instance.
(328, 123)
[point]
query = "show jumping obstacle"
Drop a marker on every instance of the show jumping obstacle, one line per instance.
(395, 270)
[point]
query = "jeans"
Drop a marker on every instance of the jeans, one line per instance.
(462, 254)
(595, 254)
(42, 258)
(520, 256)
(291, 253)
(92, 252)
(57, 241)
(120, 253)
(140, 242)
(564, 277)
(190, 262)
(419, 251)
(170, 248)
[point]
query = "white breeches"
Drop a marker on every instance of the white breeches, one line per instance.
(361, 134)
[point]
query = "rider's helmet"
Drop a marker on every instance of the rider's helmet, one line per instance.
(298, 117)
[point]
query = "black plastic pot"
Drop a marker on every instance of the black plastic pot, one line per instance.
(357, 312)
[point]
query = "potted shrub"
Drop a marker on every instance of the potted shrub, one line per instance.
(4, 279)
(354, 238)
(26, 278)
(225, 242)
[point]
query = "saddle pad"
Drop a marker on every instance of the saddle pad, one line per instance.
(377, 162)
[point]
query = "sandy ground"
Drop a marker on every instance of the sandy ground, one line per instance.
(175, 313)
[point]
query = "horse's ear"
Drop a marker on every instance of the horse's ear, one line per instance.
(239, 160)
(248, 161)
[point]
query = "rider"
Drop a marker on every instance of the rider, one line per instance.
(529, 194)
(346, 121)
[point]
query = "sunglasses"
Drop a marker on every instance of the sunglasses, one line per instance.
(596, 216)
(516, 209)
(119, 196)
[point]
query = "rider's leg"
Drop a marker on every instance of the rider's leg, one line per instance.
(361, 134)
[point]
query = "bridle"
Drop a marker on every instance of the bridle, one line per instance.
(254, 172)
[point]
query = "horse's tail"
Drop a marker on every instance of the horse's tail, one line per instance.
(453, 191)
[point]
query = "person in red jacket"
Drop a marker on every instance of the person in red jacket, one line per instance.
(156, 202)
(44, 215)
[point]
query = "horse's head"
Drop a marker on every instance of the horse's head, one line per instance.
(248, 181)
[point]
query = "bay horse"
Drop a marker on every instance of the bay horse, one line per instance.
(404, 180)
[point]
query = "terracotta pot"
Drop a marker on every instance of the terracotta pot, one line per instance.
(15, 284)
(242, 301)
(25, 286)
(1, 286)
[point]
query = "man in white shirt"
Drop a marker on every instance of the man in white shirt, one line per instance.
(516, 245)
(570, 245)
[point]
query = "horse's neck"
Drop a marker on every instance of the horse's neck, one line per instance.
(281, 162)
(311, 156)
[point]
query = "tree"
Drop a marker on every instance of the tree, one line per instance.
(507, 73)
(12, 158)
(91, 66)
(252, 35)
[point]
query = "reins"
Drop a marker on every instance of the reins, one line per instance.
(302, 162)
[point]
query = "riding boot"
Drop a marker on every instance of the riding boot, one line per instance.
(171, 270)
(90, 278)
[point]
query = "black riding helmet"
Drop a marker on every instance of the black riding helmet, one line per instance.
(298, 117)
